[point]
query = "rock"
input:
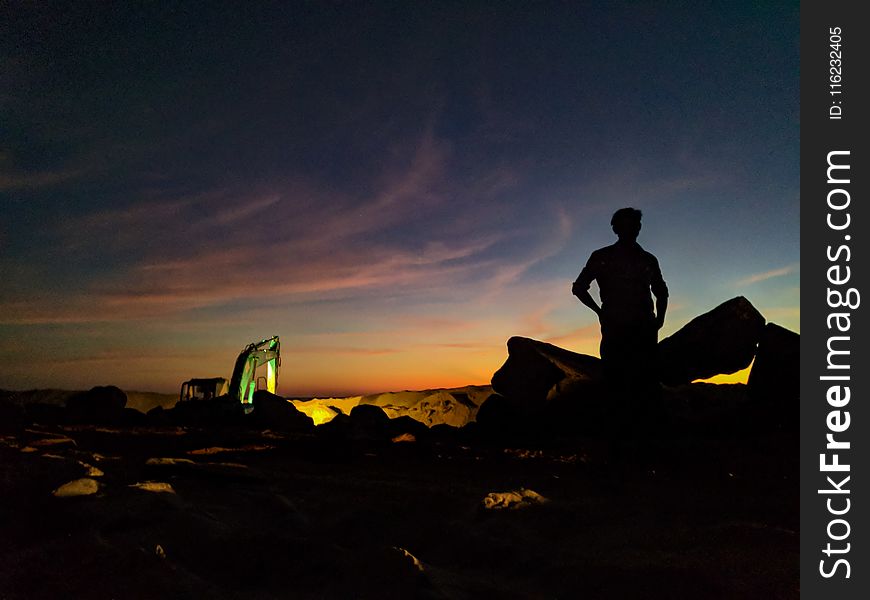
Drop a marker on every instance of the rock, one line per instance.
(276, 413)
(512, 500)
(45, 413)
(443, 407)
(709, 408)
(369, 422)
(168, 460)
(338, 427)
(775, 377)
(222, 410)
(777, 363)
(319, 412)
(158, 416)
(502, 416)
(101, 404)
(407, 426)
(536, 371)
(78, 487)
(723, 340)
(582, 407)
(11, 413)
(451, 406)
(130, 417)
(159, 487)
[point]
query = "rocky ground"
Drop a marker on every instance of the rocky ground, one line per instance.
(94, 511)
(538, 486)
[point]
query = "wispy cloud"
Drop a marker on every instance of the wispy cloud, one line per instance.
(547, 246)
(765, 275)
(291, 241)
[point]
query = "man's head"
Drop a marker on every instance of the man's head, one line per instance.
(626, 223)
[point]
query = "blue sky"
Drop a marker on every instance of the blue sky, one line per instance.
(394, 189)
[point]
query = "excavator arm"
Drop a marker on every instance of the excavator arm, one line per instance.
(244, 381)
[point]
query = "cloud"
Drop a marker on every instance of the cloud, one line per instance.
(254, 272)
(295, 240)
(241, 212)
(764, 276)
(552, 244)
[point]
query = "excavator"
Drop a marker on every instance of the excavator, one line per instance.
(264, 355)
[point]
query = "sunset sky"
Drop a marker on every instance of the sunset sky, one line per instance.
(393, 188)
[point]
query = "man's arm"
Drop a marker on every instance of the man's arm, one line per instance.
(585, 297)
(661, 309)
(660, 291)
(581, 286)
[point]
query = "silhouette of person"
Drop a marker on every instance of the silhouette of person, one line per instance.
(626, 274)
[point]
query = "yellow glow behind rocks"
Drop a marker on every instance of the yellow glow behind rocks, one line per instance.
(324, 410)
(741, 376)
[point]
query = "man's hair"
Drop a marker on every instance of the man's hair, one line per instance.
(626, 220)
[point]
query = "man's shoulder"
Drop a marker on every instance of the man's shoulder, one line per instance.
(623, 252)
(646, 254)
(605, 251)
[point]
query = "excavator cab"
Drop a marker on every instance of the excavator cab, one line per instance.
(203, 389)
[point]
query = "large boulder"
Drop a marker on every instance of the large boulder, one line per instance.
(536, 371)
(369, 422)
(101, 404)
(366, 423)
(774, 381)
(502, 416)
(274, 412)
(223, 410)
(723, 340)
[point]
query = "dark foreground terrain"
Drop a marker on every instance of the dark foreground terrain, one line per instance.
(239, 513)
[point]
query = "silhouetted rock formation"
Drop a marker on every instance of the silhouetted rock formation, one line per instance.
(775, 377)
(720, 341)
(365, 422)
(501, 414)
(540, 388)
(411, 426)
(274, 412)
(222, 410)
(369, 422)
(545, 389)
(101, 404)
(537, 371)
